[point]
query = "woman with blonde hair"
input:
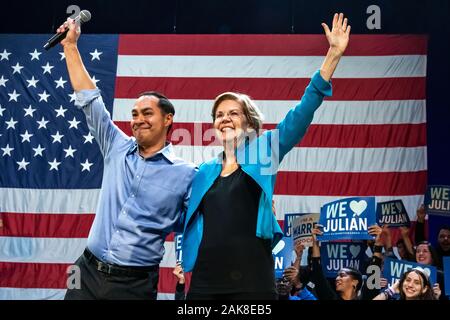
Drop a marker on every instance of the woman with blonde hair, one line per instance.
(230, 228)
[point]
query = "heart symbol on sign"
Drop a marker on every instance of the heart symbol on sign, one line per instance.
(354, 250)
(280, 246)
(399, 206)
(358, 207)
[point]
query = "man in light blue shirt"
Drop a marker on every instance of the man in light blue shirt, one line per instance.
(144, 194)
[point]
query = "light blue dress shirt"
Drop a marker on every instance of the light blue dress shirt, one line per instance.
(141, 200)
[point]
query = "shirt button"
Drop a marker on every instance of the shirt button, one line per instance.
(132, 195)
(137, 176)
(124, 212)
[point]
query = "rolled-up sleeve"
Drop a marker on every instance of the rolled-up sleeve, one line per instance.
(98, 119)
(84, 97)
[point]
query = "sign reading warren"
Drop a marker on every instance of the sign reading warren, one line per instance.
(393, 269)
(392, 213)
(337, 255)
(437, 200)
(302, 228)
(283, 256)
(347, 219)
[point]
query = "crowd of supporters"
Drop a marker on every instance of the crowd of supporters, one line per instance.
(309, 282)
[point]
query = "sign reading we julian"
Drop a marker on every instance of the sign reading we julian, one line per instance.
(437, 200)
(392, 213)
(337, 255)
(347, 219)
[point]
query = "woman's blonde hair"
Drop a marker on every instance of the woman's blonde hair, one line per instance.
(251, 111)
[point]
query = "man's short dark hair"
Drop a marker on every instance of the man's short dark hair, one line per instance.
(164, 103)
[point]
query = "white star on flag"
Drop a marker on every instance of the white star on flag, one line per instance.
(11, 123)
(26, 136)
(35, 55)
(17, 68)
(5, 55)
(29, 111)
(95, 55)
(57, 137)
(32, 82)
(63, 56)
(7, 150)
(38, 151)
(88, 138)
(95, 80)
(72, 96)
(42, 123)
(86, 165)
(1, 110)
(47, 68)
(22, 164)
(54, 165)
(3, 81)
(60, 111)
(43, 96)
(74, 123)
(60, 83)
(13, 96)
(69, 152)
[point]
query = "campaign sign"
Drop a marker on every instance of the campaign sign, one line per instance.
(302, 228)
(288, 220)
(437, 200)
(337, 255)
(392, 213)
(347, 219)
(446, 261)
(283, 255)
(393, 269)
(177, 241)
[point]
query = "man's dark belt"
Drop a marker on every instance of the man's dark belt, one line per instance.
(113, 269)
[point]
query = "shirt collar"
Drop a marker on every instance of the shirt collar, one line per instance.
(167, 151)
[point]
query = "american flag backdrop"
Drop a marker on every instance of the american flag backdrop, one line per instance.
(368, 139)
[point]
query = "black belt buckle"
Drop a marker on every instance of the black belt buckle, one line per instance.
(117, 270)
(104, 267)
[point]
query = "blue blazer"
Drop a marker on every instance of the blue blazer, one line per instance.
(260, 159)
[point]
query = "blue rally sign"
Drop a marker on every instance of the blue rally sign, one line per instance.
(177, 241)
(437, 200)
(337, 255)
(347, 219)
(393, 269)
(446, 261)
(392, 213)
(283, 255)
(288, 221)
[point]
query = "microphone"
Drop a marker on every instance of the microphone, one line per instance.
(84, 16)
